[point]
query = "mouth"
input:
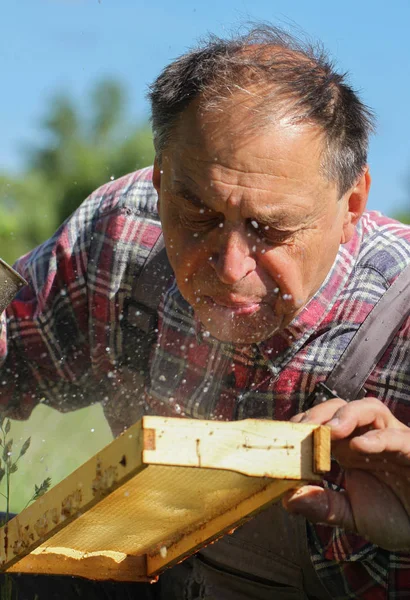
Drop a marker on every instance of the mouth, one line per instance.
(248, 307)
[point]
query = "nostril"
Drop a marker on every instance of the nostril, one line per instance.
(213, 259)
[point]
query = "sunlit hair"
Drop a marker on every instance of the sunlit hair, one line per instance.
(282, 76)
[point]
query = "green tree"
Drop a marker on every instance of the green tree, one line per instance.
(84, 148)
(27, 214)
(403, 217)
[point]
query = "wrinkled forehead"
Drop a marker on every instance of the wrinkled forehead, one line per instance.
(220, 159)
(236, 134)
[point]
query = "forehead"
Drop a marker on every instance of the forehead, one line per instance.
(226, 150)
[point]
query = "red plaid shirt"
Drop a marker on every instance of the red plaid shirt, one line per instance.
(62, 342)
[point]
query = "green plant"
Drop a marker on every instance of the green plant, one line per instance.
(8, 466)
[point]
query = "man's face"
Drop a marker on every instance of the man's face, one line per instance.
(251, 226)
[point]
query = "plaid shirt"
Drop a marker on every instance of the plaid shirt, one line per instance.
(63, 343)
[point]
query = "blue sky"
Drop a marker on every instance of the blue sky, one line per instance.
(51, 45)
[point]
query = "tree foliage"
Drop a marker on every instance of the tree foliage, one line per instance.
(83, 148)
(403, 216)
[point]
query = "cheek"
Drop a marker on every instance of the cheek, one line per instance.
(174, 236)
(302, 268)
(187, 256)
(288, 267)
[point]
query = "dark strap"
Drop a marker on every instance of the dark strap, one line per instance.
(368, 344)
(141, 309)
(140, 316)
(154, 276)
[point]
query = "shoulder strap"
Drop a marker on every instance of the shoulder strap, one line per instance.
(368, 344)
(148, 288)
(139, 331)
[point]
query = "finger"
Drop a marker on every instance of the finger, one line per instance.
(320, 505)
(362, 413)
(368, 507)
(377, 441)
(349, 456)
(379, 514)
(321, 413)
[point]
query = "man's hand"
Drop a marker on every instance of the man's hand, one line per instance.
(374, 449)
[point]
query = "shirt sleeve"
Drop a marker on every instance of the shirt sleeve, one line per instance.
(61, 339)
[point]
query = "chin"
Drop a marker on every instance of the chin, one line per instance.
(244, 331)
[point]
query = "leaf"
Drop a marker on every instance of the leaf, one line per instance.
(25, 447)
(7, 450)
(7, 427)
(2, 417)
(13, 468)
(2, 474)
(42, 489)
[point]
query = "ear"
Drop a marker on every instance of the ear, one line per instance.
(156, 176)
(156, 180)
(356, 200)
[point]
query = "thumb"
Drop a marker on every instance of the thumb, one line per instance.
(320, 505)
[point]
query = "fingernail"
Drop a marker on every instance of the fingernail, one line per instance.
(333, 422)
(369, 440)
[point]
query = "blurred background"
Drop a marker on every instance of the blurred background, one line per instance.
(74, 114)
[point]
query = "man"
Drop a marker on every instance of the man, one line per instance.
(262, 185)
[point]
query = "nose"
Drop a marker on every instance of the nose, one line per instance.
(233, 261)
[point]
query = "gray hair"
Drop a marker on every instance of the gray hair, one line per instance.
(296, 75)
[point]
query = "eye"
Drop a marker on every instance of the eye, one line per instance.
(270, 234)
(276, 236)
(199, 218)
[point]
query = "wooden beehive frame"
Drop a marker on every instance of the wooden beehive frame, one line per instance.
(159, 492)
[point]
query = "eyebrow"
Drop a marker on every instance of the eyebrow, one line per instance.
(183, 189)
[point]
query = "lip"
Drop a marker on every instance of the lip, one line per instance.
(237, 308)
